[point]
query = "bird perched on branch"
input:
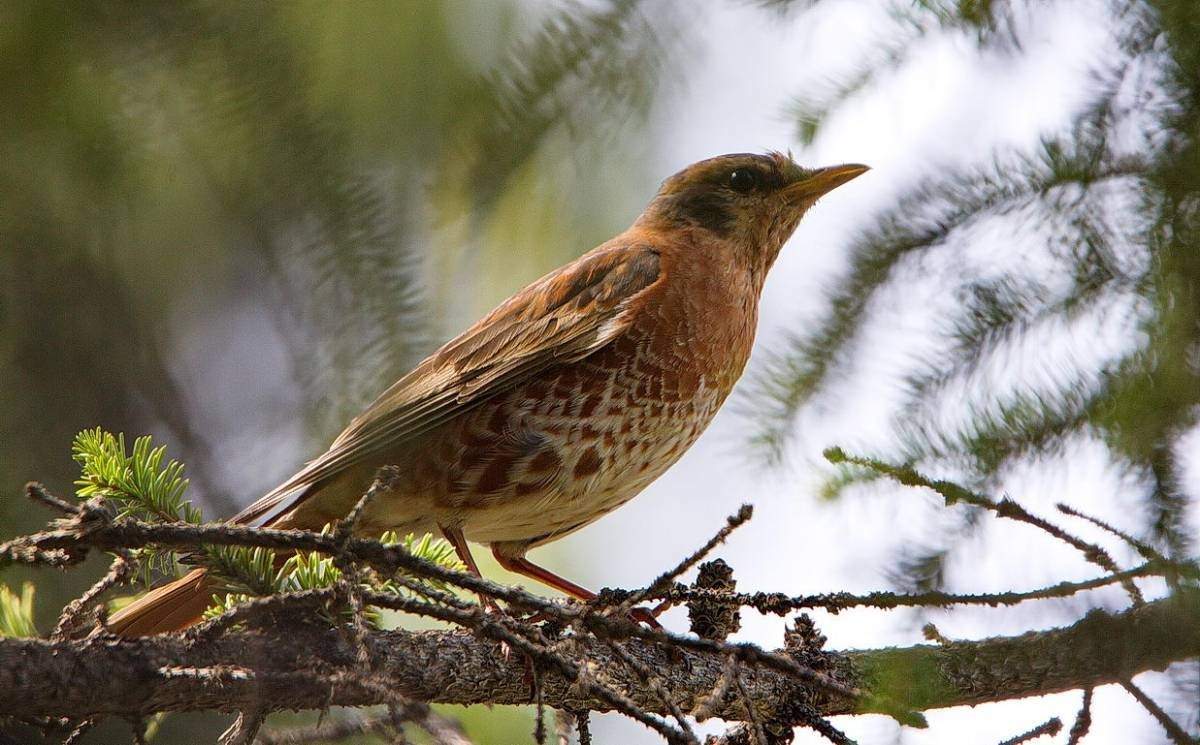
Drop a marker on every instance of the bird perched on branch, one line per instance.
(565, 401)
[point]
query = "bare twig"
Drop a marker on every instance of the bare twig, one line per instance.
(539, 725)
(1174, 731)
(38, 493)
(714, 698)
(656, 685)
(1005, 508)
(732, 523)
(117, 573)
(780, 604)
(1049, 728)
(330, 731)
(1083, 720)
(76, 735)
(582, 727)
(349, 583)
(825, 728)
(1172, 569)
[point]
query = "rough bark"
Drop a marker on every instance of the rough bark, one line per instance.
(300, 666)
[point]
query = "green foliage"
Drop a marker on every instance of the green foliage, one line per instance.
(16, 612)
(145, 488)
(243, 570)
(434, 550)
(138, 483)
(251, 572)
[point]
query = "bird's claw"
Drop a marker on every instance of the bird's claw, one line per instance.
(647, 616)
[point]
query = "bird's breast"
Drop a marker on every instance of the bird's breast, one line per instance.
(580, 439)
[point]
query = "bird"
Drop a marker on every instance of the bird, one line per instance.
(566, 400)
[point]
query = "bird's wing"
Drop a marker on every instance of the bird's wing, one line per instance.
(563, 317)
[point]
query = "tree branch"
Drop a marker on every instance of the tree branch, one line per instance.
(305, 666)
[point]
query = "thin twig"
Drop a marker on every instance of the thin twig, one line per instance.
(539, 725)
(1171, 569)
(1174, 731)
(780, 604)
(1005, 508)
(39, 493)
(705, 707)
(1083, 720)
(348, 583)
(332, 731)
(244, 729)
(1049, 728)
(443, 730)
(825, 728)
(583, 728)
(78, 733)
(137, 724)
(117, 573)
(732, 523)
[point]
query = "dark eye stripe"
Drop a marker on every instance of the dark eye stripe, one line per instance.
(707, 208)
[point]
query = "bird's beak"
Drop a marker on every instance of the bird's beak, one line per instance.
(814, 184)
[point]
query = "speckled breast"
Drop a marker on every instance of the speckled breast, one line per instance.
(581, 439)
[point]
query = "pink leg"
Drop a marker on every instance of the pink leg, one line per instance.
(525, 567)
(456, 539)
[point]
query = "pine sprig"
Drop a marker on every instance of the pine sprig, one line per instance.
(138, 482)
(251, 572)
(145, 485)
(242, 570)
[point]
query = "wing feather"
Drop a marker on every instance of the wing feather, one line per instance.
(563, 317)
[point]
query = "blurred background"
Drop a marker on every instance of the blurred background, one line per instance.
(230, 225)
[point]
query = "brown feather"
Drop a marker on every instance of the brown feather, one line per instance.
(176, 605)
(562, 317)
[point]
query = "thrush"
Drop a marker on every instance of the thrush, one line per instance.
(565, 401)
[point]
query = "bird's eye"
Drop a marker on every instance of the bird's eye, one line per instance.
(743, 180)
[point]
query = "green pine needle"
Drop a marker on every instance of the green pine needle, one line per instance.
(144, 487)
(16, 612)
(249, 573)
(137, 482)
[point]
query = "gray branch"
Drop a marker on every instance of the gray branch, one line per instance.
(304, 666)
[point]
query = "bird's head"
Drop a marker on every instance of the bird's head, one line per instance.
(752, 201)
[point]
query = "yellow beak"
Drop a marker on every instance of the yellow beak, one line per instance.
(816, 183)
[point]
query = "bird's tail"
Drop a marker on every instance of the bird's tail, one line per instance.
(174, 606)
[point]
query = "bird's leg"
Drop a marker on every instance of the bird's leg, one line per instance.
(456, 539)
(526, 568)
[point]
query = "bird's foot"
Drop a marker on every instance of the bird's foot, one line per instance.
(492, 608)
(648, 616)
